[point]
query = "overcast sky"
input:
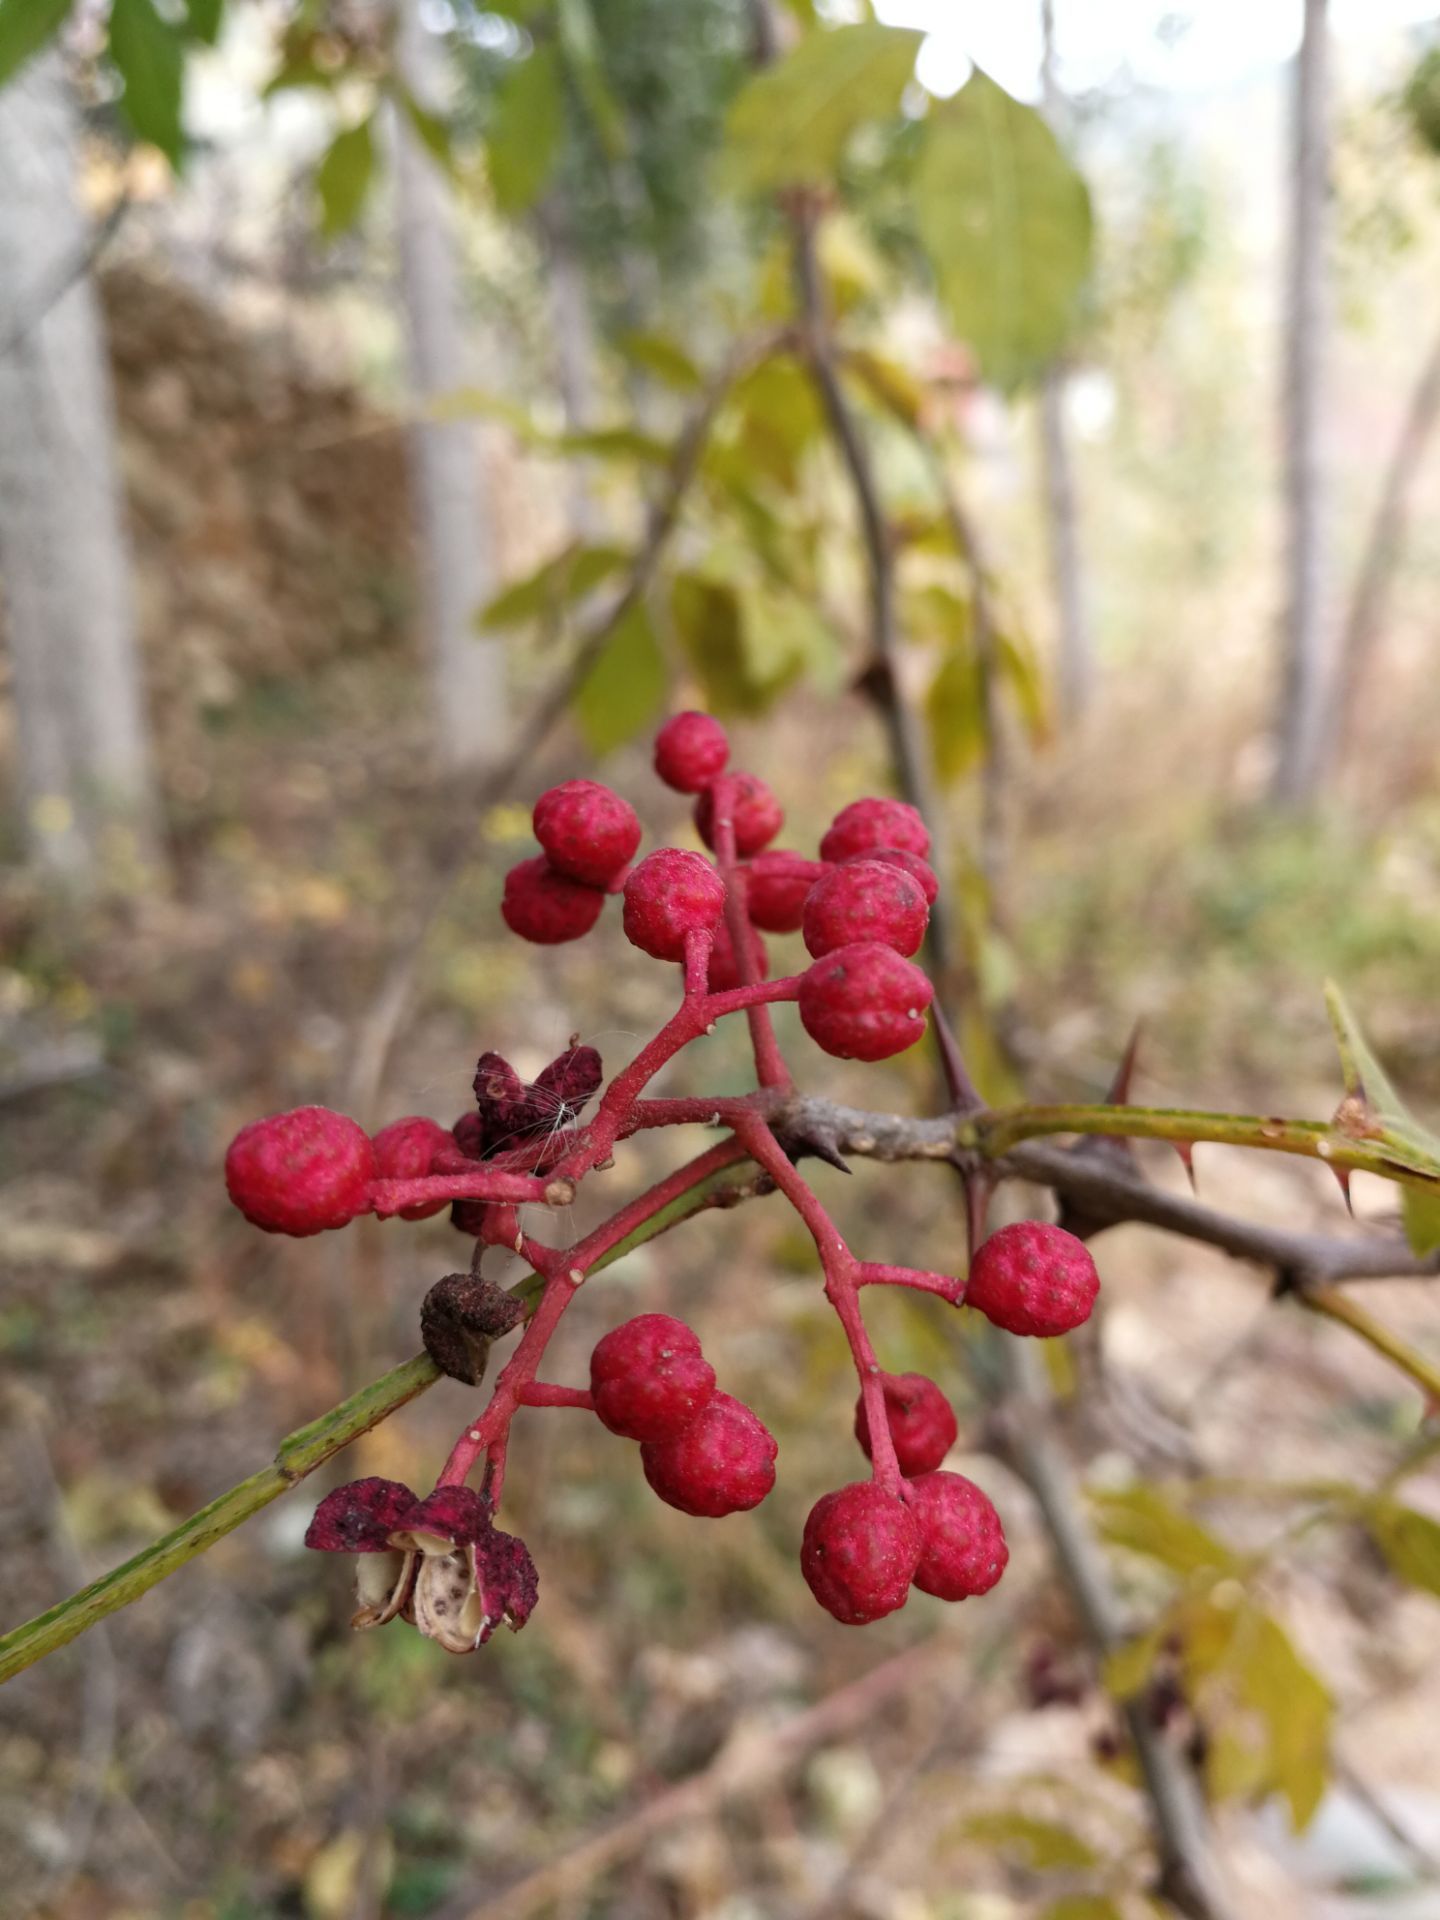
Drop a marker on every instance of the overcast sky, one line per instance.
(1211, 44)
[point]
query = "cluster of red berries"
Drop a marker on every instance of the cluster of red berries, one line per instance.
(861, 908)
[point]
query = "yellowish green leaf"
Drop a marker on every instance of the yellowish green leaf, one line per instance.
(955, 710)
(558, 582)
(1296, 1709)
(343, 177)
(1410, 1542)
(1006, 222)
(1033, 1843)
(793, 121)
(663, 358)
(625, 689)
(1142, 1519)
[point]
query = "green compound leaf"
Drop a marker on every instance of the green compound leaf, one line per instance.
(343, 177)
(1007, 224)
(525, 138)
(793, 121)
(149, 56)
(625, 689)
(1373, 1111)
(25, 27)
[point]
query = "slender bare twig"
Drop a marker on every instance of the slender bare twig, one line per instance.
(70, 271)
(994, 761)
(378, 1025)
(907, 746)
(1026, 1436)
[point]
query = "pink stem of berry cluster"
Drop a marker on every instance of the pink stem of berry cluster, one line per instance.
(875, 1273)
(478, 1183)
(770, 1067)
(843, 1280)
(623, 1111)
(563, 1271)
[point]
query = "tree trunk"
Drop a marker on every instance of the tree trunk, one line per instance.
(85, 787)
(452, 508)
(1302, 723)
(1074, 653)
(1382, 548)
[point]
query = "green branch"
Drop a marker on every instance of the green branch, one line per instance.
(994, 1133)
(299, 1454)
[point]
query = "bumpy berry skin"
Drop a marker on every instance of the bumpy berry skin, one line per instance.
(545, 907)
(300, 1172)
(757, 814)
(776, 884)
(864, 1002)
(722, 1462)
(1033, 1278)
(649, 1378)
(921, 1420)
(865, 900)
(867, 824)
(724, 973)
(668, 895)
(963, 1551)
(859, 1553)
(690, 750)
(919, 870)
(404, 1151)
(588, 832)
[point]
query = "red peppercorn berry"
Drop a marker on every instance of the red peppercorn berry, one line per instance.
(690, 751)
(669, 894)
(648, 1378)
(866, 824)
(405, 1150)
(921, 1420)
(722, 1462)
(865, 900)
(301, 1172)
(546, 907)
(1032, 1278)
(756, 814)
(911, 863)
(859, 1552)
(963, 1551)
(864, 1002)
(588, 832)
(776, 883)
